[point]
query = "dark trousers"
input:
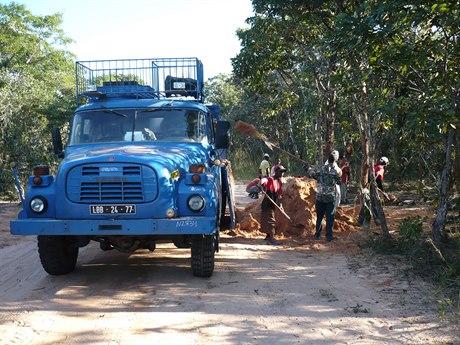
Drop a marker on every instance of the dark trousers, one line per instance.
(328, 209)
(268, 222)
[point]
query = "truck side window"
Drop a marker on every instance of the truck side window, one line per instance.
(196, 126)
(210, 128)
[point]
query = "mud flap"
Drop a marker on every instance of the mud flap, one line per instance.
(230, 196)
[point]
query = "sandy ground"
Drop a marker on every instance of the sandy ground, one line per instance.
(302, 292)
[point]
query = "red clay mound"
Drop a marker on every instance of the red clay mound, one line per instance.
(299, 204)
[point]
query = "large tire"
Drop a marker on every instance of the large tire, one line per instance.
(57, 254)
(203, 250)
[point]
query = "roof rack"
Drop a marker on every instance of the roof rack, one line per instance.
(140, 78)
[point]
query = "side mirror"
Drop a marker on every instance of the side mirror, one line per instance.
(222, 135)
(57, 141)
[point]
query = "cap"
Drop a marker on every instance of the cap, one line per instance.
(335, 154)
(266, 155)
(280, 168)
(384, 160)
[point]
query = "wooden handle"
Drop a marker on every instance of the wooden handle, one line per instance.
(274, 203)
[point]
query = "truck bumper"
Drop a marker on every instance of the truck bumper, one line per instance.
(178, 226)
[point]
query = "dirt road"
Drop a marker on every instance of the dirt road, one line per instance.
(259, 294)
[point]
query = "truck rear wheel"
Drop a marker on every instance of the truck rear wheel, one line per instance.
(203, 249)
(57, 254)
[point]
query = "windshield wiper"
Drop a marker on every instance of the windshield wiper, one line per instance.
(154, 110)
(107, 110)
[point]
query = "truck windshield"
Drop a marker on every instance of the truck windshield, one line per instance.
(122, 125)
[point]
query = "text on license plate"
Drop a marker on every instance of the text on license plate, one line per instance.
(112, 209)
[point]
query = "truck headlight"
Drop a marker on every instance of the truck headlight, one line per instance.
(196, 203)
(38, 204)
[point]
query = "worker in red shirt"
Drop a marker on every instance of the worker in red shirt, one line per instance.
(379, 172)
(273, 191)
(253, 189)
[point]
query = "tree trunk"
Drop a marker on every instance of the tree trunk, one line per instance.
(330, 121)
(457, 160)
(361, 119)
(441, 212)
(291, 134)
(319, 126)
(327, 92)
(375, 196)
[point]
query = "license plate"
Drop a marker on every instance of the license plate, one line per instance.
(112, 209)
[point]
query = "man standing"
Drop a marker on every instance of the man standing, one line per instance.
(273, 191)
(264, 168)
(379, 172)
(327, 176)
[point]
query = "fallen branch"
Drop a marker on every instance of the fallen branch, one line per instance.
(250, 131)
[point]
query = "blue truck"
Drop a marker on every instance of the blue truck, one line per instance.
(144, 163)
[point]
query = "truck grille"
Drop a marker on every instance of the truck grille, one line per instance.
(112, 183)
(111, 191)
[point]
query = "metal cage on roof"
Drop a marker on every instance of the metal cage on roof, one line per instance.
(140, 78)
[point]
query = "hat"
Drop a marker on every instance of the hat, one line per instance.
(384, 160)
(335, 154)
(266, 155)
(280, 168)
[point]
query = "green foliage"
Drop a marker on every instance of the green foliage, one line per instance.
(222, 90)
(403, 51)
(411, 228)
(244, 167)
(385, 73)
(36, 88)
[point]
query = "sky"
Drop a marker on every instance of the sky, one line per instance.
(131, 29)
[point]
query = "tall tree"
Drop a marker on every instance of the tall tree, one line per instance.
(286, 38)
(36, 85)
(394, 65)
(222, 90)
(418, 46)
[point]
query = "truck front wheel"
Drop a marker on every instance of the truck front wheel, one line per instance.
(203, 249)
(57, 254)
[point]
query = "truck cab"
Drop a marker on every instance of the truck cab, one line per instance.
(145, 162)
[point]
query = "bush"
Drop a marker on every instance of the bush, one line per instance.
(411, 228)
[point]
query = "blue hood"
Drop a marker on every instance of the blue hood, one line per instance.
(169, 155)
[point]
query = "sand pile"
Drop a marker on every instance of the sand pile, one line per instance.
(299, 195)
